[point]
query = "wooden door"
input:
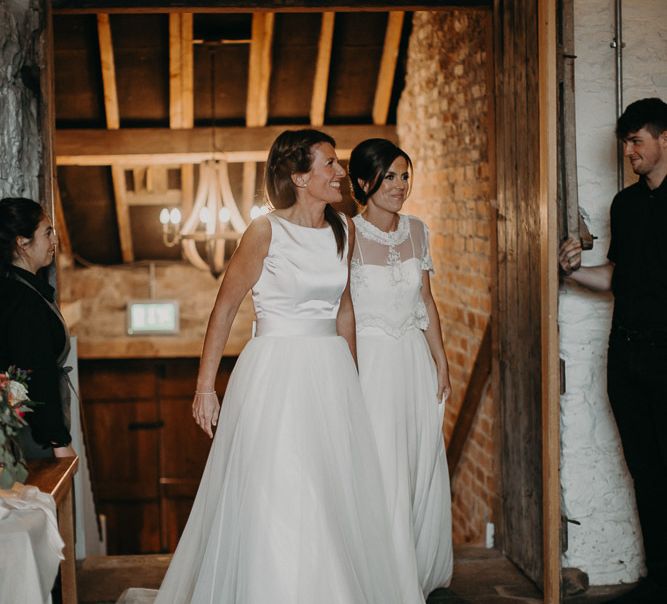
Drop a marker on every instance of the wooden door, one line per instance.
(525, 317)
(184, 446)
(119, 404)
(146, 452)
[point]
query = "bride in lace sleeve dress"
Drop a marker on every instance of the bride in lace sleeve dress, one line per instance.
(402, 363)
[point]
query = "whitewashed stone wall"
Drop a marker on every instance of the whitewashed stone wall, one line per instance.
(596, 488)
(21, 39)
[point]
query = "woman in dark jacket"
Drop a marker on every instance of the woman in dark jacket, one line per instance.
(33, 334)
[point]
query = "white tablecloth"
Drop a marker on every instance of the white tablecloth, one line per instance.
(30, 545)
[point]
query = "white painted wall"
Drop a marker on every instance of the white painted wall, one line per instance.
(596, 488)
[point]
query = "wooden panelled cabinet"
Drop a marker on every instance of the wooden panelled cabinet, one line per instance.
(146, 452)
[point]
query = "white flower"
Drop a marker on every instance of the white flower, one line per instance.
(17, 393)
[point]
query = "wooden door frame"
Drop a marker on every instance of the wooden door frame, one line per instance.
(548, 203)
(550, 397)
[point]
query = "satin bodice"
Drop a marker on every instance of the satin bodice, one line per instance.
(303, 276)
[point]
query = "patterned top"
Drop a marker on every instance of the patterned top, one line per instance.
(386, 277)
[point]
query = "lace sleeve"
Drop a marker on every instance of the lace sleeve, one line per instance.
(426, 261)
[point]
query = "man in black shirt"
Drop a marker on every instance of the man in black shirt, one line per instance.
(636, 273)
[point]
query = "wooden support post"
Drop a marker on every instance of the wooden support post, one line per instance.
(249, 188)
(64, 242)
(321, 83)
(548, 174)
(568, 197)
(385, 82)
(122, 213)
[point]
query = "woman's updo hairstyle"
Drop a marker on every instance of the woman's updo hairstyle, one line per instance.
(19, 217)
(291, 153)
(369, 162)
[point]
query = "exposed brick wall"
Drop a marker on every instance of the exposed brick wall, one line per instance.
(443, 119)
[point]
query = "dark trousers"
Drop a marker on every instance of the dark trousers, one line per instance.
(637, 388)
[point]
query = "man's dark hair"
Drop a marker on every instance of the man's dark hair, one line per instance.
(645, 113)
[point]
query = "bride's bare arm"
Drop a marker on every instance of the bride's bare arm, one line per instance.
(433, 335)
(242, 273)
(345, 323)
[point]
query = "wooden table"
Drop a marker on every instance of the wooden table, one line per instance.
(54, 476)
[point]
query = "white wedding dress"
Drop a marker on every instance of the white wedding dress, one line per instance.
(399, 383)
(290, 509)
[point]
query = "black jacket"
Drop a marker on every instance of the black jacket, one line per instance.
(32, 337)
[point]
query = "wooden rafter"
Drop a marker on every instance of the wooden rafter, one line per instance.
(145, 146)
(321, 81)
(108, 71)
(257, 107)
(259, 70)
(181, 71)
(385, 82)
(181, 91)
(113, 123)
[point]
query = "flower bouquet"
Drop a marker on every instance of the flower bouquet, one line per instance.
(14, 404)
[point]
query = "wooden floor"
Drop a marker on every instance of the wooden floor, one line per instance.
(481, 576)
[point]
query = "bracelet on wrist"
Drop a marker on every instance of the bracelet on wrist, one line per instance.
(206, 392)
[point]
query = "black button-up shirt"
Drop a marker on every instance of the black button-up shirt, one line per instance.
(638, 250)
(32, 337)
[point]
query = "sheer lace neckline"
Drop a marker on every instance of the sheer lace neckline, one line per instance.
(393, 238)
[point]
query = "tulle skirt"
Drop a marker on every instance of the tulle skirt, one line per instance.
(399, 384)
(290, 509)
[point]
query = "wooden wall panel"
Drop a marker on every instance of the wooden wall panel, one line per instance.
(132, 526)
(147, 453)
(518, 304)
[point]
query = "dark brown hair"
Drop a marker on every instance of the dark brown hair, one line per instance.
(291, 153)
(369, 162)
(19, 217)
(648, 113)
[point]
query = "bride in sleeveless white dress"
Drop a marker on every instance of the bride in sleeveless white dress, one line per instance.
(402, 364)
(290, 509)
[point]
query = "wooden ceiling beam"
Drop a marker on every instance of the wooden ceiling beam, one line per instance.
(318, 102)
(259, 69)
(113, 122)
(62, 7)
(137, 146)
(108, 66)
(385, 81)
